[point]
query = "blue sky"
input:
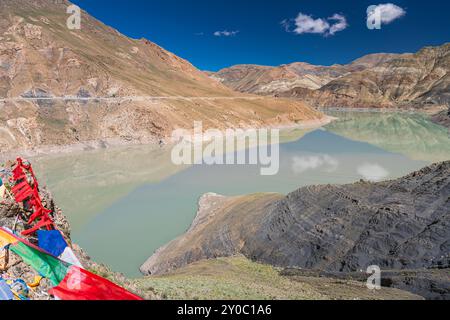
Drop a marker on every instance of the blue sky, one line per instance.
(187, 27)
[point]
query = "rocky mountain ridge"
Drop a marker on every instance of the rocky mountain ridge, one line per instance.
(268, 80)
(417, 80)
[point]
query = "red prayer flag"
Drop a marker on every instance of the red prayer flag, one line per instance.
(80, 284)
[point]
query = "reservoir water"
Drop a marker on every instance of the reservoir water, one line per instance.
(124, 203)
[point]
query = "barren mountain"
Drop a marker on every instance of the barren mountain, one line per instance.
(378, 81)
(276, 80)
(397, 225)
(61, 86)
(417, 80)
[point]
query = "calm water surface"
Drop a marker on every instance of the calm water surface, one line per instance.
(125, 203)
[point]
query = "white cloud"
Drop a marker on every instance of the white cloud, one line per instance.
(307, 24)
(286, 23)
(226, 33)
(387, 13)
(303, 164)
(373, 172)
(341, 23)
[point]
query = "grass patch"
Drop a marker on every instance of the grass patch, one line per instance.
(225, 279)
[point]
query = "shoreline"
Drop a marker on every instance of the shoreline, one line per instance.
(427, 111)
(95, 145)
(109, 143)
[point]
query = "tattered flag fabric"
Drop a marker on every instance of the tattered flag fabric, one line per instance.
(70, 257)
(80, 284)
(52, 241)
(5, 291)
(2, 192)
(45, 264)
(6, 238)
(23, 191)
(71, 282)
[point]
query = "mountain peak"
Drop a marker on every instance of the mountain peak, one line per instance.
(380, 80)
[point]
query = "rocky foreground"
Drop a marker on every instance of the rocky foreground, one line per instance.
(17, 269)
(401, 226)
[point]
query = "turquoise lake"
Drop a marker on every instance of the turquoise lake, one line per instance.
(124, 203)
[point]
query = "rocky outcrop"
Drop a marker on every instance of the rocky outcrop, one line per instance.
(17, 269)
(443, 118)
(432, 284)
(91, 86)
(397, 225)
